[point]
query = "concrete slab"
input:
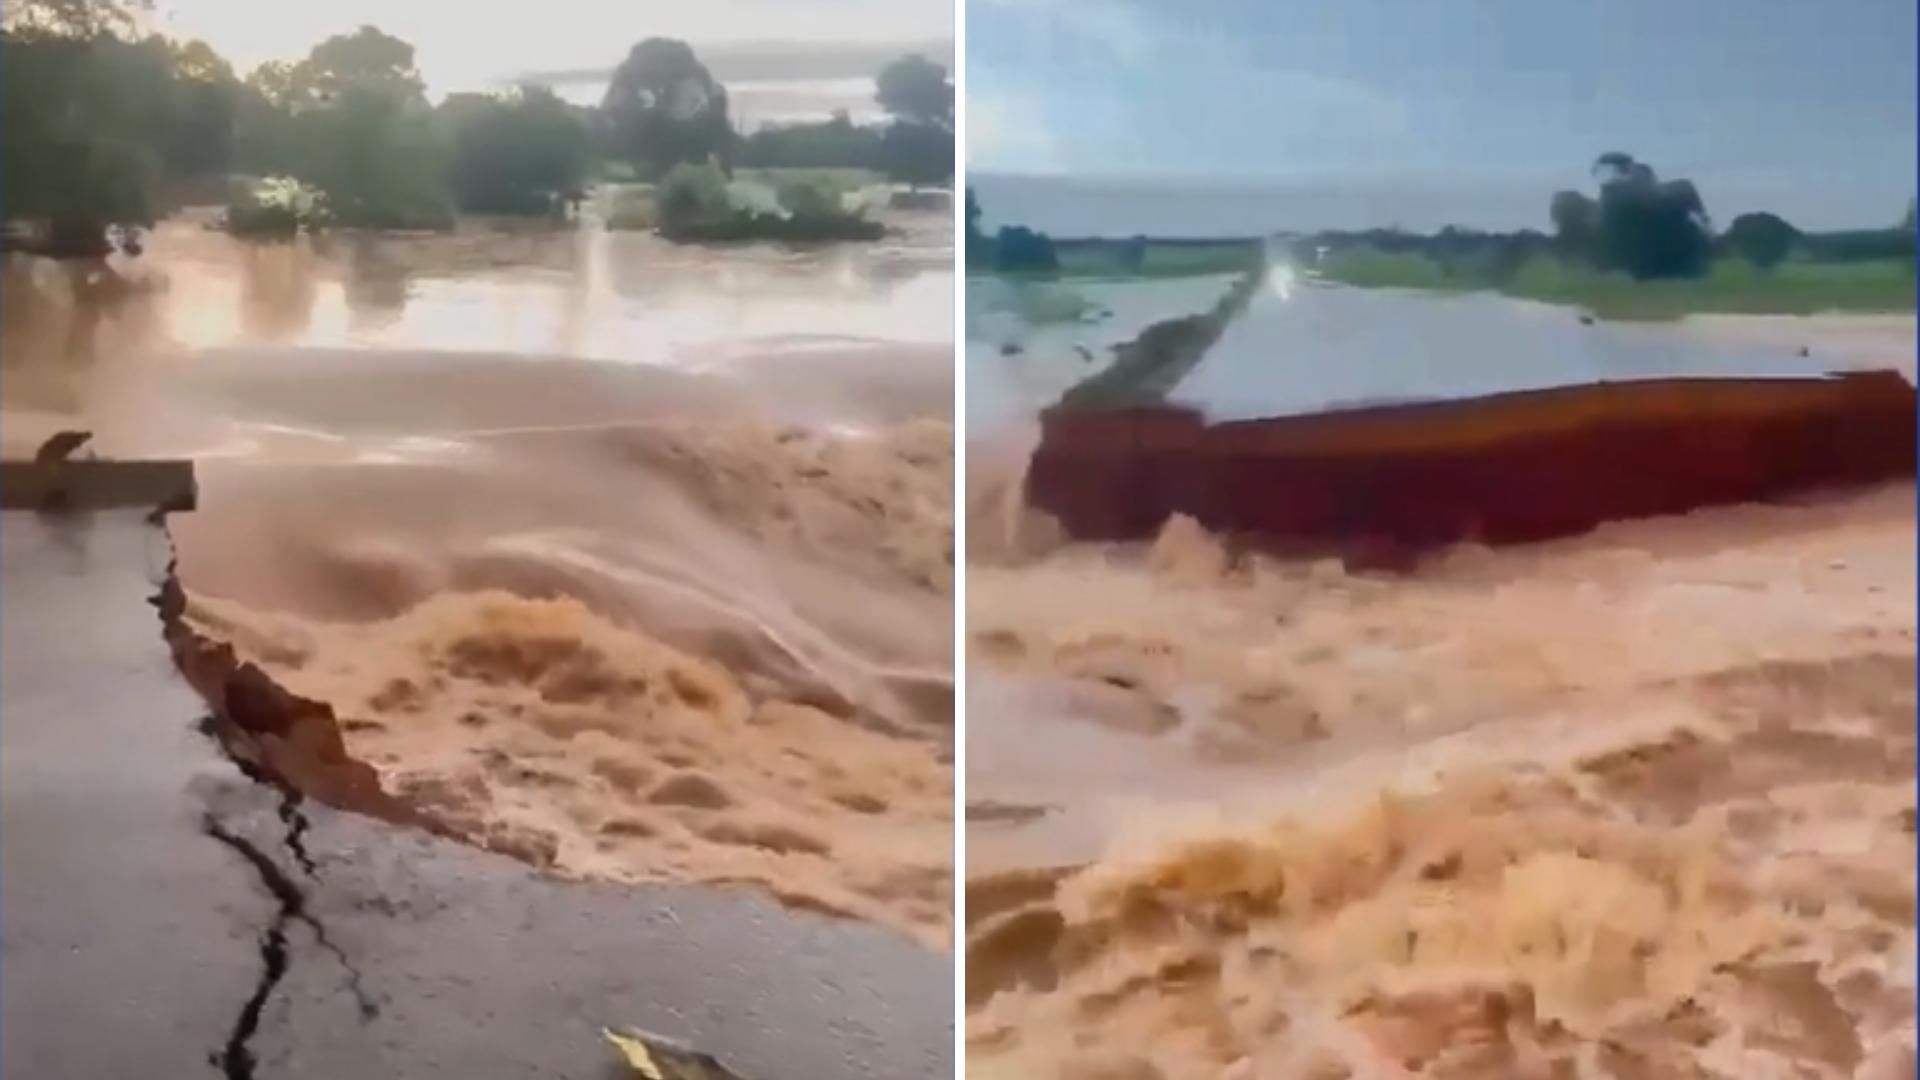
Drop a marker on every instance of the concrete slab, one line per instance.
(98, 485)
(129, 938)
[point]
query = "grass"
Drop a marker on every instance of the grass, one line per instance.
(1110, 258)
(1038, 302)
(1731, 286)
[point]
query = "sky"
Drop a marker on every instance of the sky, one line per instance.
(474, 44)
(1809, 105)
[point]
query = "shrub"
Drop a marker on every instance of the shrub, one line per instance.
(274, 206)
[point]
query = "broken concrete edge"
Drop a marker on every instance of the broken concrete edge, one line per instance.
(296, 746)
(276, 737)
(163, 485)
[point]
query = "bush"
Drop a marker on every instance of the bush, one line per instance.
(1762, 239)
(691, 197)
(1018, 249)
(274, 206)
(696, 203)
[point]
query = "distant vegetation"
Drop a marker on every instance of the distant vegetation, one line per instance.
(103, 127)
(1017, 250)
(1644, 248)
(1641, 247)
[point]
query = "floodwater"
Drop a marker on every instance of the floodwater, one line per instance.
(1017, 365)
(630, 559)
(1302, 347)
(1632, 804)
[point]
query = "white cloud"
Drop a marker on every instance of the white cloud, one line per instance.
(1009, 133)
(462, 44)
(1120, 29)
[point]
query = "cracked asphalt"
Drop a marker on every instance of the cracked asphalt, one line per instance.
(163, 915)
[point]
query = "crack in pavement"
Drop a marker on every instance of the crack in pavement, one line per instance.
(236, 1058)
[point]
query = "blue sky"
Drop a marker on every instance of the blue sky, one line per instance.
(1797, 102)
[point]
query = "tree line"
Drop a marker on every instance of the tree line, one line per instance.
(1635, 224)
(104, 126)
(1640, 225)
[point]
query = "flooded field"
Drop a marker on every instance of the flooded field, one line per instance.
(565, 525)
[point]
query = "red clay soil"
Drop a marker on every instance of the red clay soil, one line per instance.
(272, 733)
(1379, 485)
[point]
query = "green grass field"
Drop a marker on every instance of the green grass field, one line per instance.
(1107, 259)
(1732, 286)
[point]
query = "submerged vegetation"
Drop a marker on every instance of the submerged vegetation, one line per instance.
(104, 128)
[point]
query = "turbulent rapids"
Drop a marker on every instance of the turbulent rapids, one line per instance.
(1638, 803)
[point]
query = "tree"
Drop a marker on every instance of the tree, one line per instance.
(519, 153)
(351, 119)
(838, 143)
(1018, 249)
(79, 19)
(916, 154)
(914, 88)
(979, 246)
(85, 124)
(1761, 238)
(366, 61)
(205, 106)
(1648, 227)
(379, 159)
(1576, 223)
(663, 108)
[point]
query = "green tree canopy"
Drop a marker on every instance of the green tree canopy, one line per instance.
(366, 61)
(916, 89)
(1576, 222)
(663, 108)
(351, 119)
(517, 153)
(73, 18)
(1762, 239)
(1640, 224)
(917, 154)
(86, 130)
(834, 143)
